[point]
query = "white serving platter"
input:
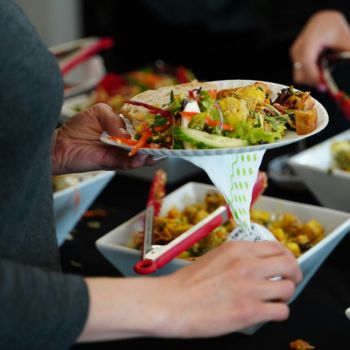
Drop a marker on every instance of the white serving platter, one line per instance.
(331, 188)
(114, 245)
(71, 202)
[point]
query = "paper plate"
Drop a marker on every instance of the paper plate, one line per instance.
(289, 137)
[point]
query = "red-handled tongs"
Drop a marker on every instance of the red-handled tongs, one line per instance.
(326, 63)
(154, 257)
(154, 203)
(87, 49)
(158, 256)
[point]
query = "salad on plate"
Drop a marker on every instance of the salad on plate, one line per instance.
(199, 115)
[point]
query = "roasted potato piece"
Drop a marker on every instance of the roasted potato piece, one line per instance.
(279, 234)
(214, 200)
(201, 214)
(290, 223)
(305, 121)
(260, 216)
(294, 248)
(174, 213)
(254, 95)
(314, 230)
(300, 344)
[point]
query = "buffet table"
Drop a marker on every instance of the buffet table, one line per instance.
(317, 315)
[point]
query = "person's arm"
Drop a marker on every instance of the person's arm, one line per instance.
(326, 29)
(76, 146)
(227, 289)
(40, 309)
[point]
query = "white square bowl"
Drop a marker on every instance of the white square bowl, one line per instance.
(71, 202)
(113, 245)
(332, 189)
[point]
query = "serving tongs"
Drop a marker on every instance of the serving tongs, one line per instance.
(159, 255)
(154, 202)
(156, 256)
(327, 61)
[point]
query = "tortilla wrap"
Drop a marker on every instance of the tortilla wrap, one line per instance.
(159, 98)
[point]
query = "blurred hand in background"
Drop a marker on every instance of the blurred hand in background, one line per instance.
(326, 29)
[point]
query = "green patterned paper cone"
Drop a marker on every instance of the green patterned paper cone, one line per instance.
(234, 175)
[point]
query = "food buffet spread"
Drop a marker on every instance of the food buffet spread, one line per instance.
(166, 110)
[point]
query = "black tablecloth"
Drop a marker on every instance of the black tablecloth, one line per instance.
(317, 315)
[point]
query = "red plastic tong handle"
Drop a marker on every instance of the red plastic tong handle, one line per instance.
(85, 53)
(341, 98)
(184, 241)
(194, 234)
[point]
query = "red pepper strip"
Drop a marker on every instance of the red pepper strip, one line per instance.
(157, 191)
(161, 128)
(191, 94)
(188, 115)
(140, 143)
(259, 187)
(130, 142)
(212, 122)
(153, 109)
(124, 140)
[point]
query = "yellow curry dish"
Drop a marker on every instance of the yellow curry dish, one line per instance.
(296, 235)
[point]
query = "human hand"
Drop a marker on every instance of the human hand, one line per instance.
(327, 29)
(228, 289)
(76, 145)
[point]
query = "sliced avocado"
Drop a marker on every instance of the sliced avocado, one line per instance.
(203, 140)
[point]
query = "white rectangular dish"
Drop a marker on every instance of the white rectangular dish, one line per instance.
(331, 188)
(114, 244)
(71, 202)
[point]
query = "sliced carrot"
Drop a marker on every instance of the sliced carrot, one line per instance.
(140, 143)
(212, 122)
(124, 140)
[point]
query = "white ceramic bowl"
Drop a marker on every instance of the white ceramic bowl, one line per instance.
(113, 245)
(71, 202)
(332, 189)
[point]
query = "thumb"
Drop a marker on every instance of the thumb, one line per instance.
(110, 121)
